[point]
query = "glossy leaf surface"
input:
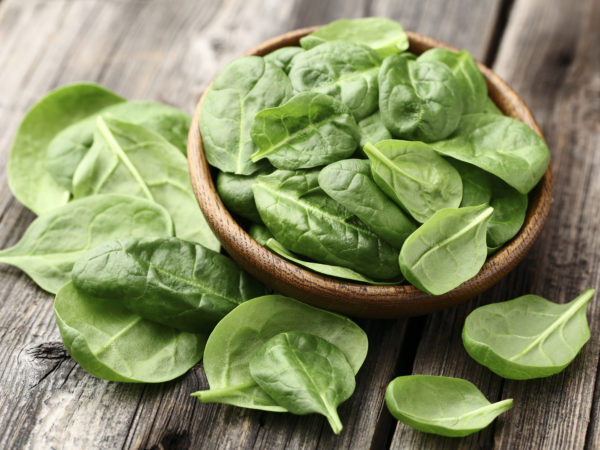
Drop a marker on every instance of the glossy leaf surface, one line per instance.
(373, 130)
(236, 193)
(282, 57)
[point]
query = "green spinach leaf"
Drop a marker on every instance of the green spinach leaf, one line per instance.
(172, 282)
(130, 159)
(528, 337)
(415, 177)
(491, 108)
(244, 330)
(447, 250)
(260, 233)
(28, 178)
(282, 57)
(441, 405)
(57, 239)
(236, 193)
(114, 344)
(246, 86)
(373, 130)
(304, 374)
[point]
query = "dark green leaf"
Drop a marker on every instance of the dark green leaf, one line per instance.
(373, 130)
(236, 193)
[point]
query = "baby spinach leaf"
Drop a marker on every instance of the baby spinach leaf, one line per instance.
(471, 83)
(491, 108)
(527, 337)
(114, 344)
(309, 222)
(260, 233)
(130, 159)
(310, 130)
(246, 86)
(447, 250)
(57, 239)
(500, 145)
(418, 100)
(441, 405)
(68, 147)
(304, 374)
(236, 193)
(373, 130)
(325, 269)
(282, 57)
(172, 282)
(349, 182)
(383, 35)
(28, 178)
(477, 184)
(415, 177)
(343, 70)
(244, 330)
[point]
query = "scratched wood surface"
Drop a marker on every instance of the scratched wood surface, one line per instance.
(168, 51)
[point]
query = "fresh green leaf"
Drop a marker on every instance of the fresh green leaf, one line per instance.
(246, 86)
(477, 184)
(114, 344)
(57, 239)
(28, 178)
(244, 330)
(527, 337)
(441, 405)
(282, 57)
(236, 193)
(447, 250)
(373, 130)
(310, 130)
(491, 108)
(304, 374)
(415, 177)
(172, 282)
(130, 159)
(260, 233)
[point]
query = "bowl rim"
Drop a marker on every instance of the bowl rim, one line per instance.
(345, 296)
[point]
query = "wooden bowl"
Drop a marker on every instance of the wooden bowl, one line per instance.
(347, 297)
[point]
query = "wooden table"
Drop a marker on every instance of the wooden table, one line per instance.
(168, 50)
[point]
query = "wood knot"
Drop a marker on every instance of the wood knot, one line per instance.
(49, 351)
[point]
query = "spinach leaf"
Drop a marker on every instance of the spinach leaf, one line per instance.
(477, 184)
(510, 209)
(28, 178)
(236, 193)
(68, 147)
(304, 374)
(130, 159)
(325, 269)
(441, 405)
(309, 222)
(310, 130)
(114, 344)
(343, 70)
(491, 108)
(349, 182)
(471, 83)
(282, 57)
(447, 250)
(383, 35)
(415, 177)
(57, 239)
(418, 100)
(260, 233)
(244, 330)
(500, 145)
(172, 282)
(246, 86)
(527, 337)
(372, 129)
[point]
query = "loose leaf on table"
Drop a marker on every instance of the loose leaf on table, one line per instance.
(441, 405)
(282, 57)
(418, 100)
(114, 344)
(501, 146)
(528, 337)
(244, 87)
(244, 330)
(373, 130)
(68, 147)
(57, 239)
(349, 182)
(304, 374)
(236, 193)
(383, 35)
(471, 83)
(169, 281)
(415, 177)
(309, 222)
(130, 159)
(447, 250)
(28, 177)
(309, 130)
(343, 70)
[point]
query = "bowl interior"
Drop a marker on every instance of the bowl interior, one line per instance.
(347, 297)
